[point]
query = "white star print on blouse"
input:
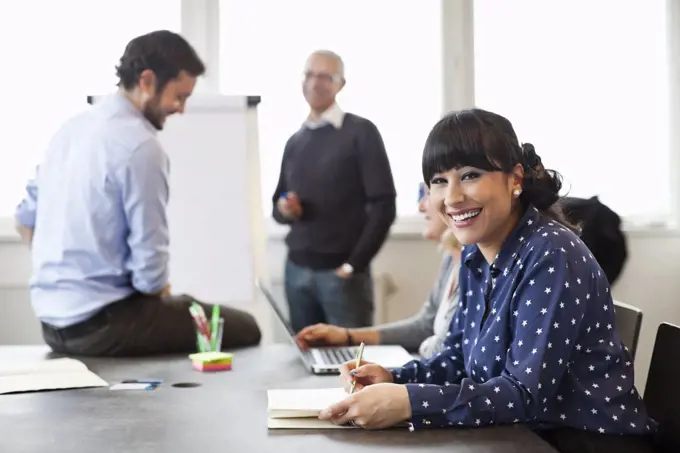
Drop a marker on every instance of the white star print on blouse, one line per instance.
(544, 352)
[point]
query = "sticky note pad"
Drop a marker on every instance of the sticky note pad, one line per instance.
(212, 367)
(211, 361)
(211, 357)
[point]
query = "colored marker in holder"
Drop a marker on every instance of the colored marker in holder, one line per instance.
(208, 333)
(211, 361)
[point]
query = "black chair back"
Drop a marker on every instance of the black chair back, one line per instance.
(628, 324)
(662, 391)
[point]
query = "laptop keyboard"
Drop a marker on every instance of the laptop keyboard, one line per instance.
(337, 356)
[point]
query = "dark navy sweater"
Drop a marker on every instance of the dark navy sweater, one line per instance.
(345, 185)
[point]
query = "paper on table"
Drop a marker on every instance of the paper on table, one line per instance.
(299, 408)
(293, 403)
(51, 374)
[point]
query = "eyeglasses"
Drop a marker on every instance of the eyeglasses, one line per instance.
(325, 78)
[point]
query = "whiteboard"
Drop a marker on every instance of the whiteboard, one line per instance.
(214, 182)
(217, 235)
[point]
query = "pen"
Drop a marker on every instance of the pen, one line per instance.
(202, 329)
(360, 353)
(214, 325)
(220, 332)
(199, 345)
(205, 327)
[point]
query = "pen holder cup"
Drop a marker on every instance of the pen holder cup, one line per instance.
(208, 335)
(203, 343)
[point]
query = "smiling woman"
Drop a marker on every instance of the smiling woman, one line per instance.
(534, 337)
(487, 177)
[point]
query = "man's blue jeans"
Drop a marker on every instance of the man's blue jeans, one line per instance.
(321, 296)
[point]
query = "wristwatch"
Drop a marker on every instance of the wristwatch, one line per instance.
(347, 268)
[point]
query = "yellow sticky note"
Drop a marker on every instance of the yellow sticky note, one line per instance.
(211, 357)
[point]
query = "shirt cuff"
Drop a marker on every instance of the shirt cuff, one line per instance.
(427, 399)
(25, 217)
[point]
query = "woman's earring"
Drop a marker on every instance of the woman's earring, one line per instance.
(517, 193)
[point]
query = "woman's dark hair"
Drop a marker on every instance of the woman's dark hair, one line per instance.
(485, 140)
(164, 52)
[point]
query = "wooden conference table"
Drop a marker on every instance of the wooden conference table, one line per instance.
(226, 413)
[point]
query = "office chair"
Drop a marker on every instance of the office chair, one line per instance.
(662, 392)
(628, 323)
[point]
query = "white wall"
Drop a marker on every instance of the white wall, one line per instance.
(651, 281)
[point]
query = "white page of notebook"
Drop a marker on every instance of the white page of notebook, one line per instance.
(52, 374)
(294, 403)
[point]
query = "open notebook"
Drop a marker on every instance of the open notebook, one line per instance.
(47, 375)
(300, 408)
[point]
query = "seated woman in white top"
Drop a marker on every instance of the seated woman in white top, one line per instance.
(425, 331)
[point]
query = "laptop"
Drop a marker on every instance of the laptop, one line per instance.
(328, 360)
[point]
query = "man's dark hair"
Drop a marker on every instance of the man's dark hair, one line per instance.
(164, 52)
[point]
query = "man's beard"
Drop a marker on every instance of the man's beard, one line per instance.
(153, 113)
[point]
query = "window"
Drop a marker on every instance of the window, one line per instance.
(587, 83)
(392, 55)
(56, 54)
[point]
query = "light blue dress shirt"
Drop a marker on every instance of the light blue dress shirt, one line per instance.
(97, 206)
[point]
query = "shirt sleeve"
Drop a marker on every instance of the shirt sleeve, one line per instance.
(410, 333)
(145, 195)
(445, 368)
(281, 188)
(549, 304)
(380, 193)
(26, 210)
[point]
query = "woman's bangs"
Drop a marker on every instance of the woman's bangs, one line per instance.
(444, 152)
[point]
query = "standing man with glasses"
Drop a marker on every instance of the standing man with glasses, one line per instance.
(336, 191)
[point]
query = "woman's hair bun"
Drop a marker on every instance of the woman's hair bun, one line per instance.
(531, 159)
(540, 187)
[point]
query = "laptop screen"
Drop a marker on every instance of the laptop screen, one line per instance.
(306, 359)
(277, 310)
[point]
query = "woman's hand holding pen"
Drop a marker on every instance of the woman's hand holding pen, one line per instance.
(377, 406)
(375, 402)
(365, 374)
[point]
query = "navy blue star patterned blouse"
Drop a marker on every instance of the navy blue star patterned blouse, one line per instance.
(532, 341)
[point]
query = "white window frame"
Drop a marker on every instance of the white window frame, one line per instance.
(200, 25)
